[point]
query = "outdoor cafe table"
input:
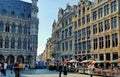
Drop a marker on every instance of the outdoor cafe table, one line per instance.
(109, 72)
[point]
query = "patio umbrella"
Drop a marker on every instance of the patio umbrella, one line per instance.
(86, 61)
(101, 61)
(73, 61)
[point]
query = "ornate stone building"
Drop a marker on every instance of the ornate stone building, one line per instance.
(82, 31)
(62, 34)
(18, 31)
(97, 29)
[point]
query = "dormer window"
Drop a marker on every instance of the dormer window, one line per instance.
(99, 1)
(83, 10)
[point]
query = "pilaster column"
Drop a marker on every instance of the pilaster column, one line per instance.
(15, 59)
(3, 42)
(5, 58)
(98, 57)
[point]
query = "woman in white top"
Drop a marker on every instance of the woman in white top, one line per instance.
(91, 69)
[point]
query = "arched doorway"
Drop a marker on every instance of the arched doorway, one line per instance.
(2, 59)
(29, 60)
(10, 59)
(20, 59)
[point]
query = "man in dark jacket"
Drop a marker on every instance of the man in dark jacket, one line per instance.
(17, 69)
(60, 70)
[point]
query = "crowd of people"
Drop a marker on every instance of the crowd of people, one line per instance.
(17, 68)
(92, 68)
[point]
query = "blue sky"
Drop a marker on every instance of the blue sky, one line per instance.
(48, 11)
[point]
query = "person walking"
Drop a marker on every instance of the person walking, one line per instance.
(5, 67)
(60, 70)
(91, 69)
(17, 69)
(65, 71)
(11, 68)
(2, 69)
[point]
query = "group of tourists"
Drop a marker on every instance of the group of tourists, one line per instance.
(17, 67)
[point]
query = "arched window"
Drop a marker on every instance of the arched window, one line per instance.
(7, 27)
(12, 42)
(25, 43)
(6, 42)
(13, 30)
(19, 43)
(25, 29)
(1, 42)
(1, 26)
(19, 29)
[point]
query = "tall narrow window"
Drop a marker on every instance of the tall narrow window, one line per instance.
(94, 15)
(66, 45)
(79, 46)
(114, 40)
(6, 42)
(88, 18)
(100, 27)
(106, 9)
(70, 44)
(12, 43)
(25, 43)
(114, 22)
(62, 34)
(107, 41)
(28, 43)
(88, 44)
(88, 31)
(19, 43)
(95, 43)
(107, 26)
(13, 30)
(7, 27)
(63, 47)
(1, 26)
(76, 48)
(19, 29)
(101, 42)
(113, 6)
(95, 29)
(70, 31)
(25, 29)
(79, 35)
(83, 20)
(100, 13)
(1, 42)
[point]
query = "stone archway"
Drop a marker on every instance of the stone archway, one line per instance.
(20, 59)
(29, 60)
(10, 59)
(2, 58)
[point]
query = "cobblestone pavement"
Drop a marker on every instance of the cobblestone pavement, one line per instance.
(42, 73)
(56, 75)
